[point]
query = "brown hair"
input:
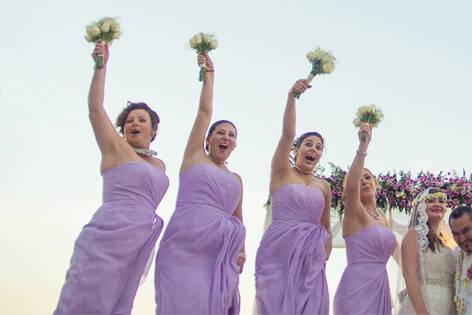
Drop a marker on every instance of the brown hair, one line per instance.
(120, 121)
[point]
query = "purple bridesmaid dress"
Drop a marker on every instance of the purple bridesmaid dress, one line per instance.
(290, 262)
(196, 270)
(112, 250)
(363, 288)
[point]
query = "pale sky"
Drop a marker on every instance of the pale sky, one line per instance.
(411, 58)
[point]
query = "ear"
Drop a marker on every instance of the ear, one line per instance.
(207, 144)
(295, 155)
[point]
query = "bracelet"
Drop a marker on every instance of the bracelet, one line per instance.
(360, 153)
(241, 255)
(209, 70)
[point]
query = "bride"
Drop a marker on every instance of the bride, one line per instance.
(428, 263)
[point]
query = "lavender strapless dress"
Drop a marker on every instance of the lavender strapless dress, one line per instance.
(112, 250)
(290, 262)
(196, 270)
(364, 288)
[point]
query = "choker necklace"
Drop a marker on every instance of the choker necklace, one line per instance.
(217, 162)
(375, 216)
(303, 172)
(146, 152)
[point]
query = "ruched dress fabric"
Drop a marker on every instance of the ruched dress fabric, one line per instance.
(364, 287)
(196, 270)
(113, 249)
(290, 262)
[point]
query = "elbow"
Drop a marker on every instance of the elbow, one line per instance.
(95, 112)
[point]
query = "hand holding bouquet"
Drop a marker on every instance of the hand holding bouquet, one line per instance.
(370, 114)
(203, 43)
(106, 29)
(322, 62)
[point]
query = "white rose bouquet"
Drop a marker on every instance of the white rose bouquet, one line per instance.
(202, 43)
(106, 29)
(370, 114)
(322, 62)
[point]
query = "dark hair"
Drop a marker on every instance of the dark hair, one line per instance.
(459, 212)
(120, 121)
(298, 142)
(216, 124)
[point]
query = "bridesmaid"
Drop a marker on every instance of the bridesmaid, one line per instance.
(290, 262)
(364, 288)
(112, 251)
(201, 253)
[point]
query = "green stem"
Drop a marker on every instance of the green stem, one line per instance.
(99, 62)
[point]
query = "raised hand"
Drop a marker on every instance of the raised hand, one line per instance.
(365, 133)
(204, 59)
(101, 49)
(299, 87)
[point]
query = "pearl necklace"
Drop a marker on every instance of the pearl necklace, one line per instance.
(146, 152)
(302, 171)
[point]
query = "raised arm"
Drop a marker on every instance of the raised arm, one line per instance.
(411, 271)
(194, 150)
(280, 161)
(352, 201)
(105, 133)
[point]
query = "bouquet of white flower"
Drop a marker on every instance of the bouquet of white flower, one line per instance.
(203, 43)
(106, 29)
(322, 62)
(370, 114)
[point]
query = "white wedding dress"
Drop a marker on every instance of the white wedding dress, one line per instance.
(438, 287)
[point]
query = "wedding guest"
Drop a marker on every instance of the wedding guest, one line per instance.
(113, 249)
(460, 222)
(202, 251)
(290, 262)
(364, 287)
(428, 264)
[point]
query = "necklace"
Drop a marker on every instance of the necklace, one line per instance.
(375, 216)
(302, 171)
(146, 152)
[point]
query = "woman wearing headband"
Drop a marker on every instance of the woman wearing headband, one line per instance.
(428, 264)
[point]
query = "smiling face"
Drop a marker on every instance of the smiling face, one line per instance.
(368, 187)
(137, 128)
(308, 153)
(435, 207)
(461, 227)
(222, 141)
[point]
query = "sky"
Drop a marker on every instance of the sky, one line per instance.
(411, 58)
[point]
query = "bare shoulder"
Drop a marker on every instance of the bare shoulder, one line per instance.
(324, 185)
(411, 237)
(158, 163)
